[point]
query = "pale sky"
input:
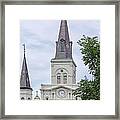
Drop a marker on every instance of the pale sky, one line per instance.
(40, 36)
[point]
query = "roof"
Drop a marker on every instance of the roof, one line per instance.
(63, 32)
(63, 45)
(50, 87)
(24, 78)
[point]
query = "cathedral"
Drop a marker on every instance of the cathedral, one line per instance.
(63, 72)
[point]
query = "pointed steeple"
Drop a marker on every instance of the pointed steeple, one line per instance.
(24, 79)
(63, 45)
(63, 32)
(37, 97)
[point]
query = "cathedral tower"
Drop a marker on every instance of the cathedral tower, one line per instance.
(63, 68)
(25, 88)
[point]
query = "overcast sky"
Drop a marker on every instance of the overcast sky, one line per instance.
(40, 36)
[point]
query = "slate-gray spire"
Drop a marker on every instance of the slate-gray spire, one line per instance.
(24, 79)
(63, 45)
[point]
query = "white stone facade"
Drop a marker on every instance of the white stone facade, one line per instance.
(63, 81)
(26, 94)
(57, 92)
(63, 67)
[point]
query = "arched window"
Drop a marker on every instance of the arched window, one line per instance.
(28, 98)
(52, 95)
(61, 76)
(62, 45)
(58, 78)
(69, 95)
(22, 98)
(76, 98)
(46, 98)
(64, 78)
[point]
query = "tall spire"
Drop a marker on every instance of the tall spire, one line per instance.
(24, 79)
(63, 45)
(63, 32)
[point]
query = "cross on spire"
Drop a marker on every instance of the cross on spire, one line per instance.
(24, 48)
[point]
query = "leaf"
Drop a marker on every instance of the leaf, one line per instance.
(90, 49)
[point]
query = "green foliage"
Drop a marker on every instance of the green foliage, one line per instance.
(90, 49)
(87, 90)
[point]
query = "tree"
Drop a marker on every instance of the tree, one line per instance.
(90, 49)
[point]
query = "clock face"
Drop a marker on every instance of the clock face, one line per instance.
(61, 93)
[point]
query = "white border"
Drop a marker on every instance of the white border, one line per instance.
(104, 13)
